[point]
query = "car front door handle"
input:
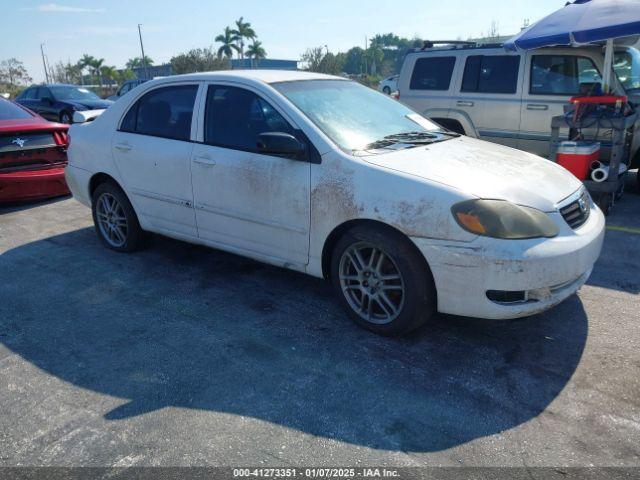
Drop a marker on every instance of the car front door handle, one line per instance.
(123, 147)
(462, 103)
(204, 160)
(537, 106)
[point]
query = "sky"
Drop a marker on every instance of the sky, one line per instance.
(108, 28)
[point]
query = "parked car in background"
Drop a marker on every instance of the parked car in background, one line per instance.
(126, 87)
(57, 102)
(323, 175)
(388, 85)
(32, 155)
(505, 97)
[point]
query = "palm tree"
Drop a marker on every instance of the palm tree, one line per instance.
(96, 66)
(243, 30)
(109, 73)
(137, 62)
(85, 62)
(255, 52)
(228, 40)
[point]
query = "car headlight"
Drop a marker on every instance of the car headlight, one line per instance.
(502, 219)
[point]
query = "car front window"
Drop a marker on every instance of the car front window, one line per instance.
(353, 116)
(73, 93)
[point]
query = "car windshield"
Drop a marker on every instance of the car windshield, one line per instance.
(73, 93)
(358, 118)
(10, 111)
(627, 67)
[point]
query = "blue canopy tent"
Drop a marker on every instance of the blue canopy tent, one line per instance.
(581, 22)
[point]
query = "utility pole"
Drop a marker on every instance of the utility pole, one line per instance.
(46, 73)
(366, 46)
(144, 58)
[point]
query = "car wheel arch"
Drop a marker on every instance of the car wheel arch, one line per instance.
(332, 240)
(100, 178)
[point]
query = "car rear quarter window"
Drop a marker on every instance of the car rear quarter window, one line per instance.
(562, 74)
(491, 74)
(235, 117)
(432, 73)
(163, 112)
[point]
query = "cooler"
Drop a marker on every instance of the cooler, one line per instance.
(577, 156)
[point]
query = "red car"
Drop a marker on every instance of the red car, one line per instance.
(33, 154)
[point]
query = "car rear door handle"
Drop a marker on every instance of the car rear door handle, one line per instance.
(537, 106)
(463, 103)
(204, 160)
(123, 147)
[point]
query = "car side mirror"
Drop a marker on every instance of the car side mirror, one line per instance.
(280, 143)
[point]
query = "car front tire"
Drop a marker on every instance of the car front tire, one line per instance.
(115, 220)
(387, 90)
(65, 117)
(382, 280)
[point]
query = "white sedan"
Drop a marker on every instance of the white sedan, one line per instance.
(388, 85)
(322, 175)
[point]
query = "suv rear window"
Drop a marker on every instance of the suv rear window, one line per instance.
(432, 73)
(491, 74)
(561, 74)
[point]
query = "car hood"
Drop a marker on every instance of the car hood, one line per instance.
(486, 170)
(93, 104)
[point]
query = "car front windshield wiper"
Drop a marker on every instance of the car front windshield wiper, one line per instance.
(406, 139)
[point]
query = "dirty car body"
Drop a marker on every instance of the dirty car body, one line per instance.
(370, 177)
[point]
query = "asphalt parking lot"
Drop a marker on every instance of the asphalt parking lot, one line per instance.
(182, 355)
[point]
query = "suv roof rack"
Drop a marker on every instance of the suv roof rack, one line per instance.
(454, 45)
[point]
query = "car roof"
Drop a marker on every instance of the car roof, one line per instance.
(264, 76)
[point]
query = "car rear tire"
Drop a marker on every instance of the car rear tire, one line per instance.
(387, 90)
(115, 220)
(65, 117)
(382, 280)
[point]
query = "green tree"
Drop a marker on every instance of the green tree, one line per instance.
(86, 62)
(198, 60)
(96, 66)
(13, 73)
(109, 73)
(256, 52)
(354, 61)
(228, 40)
(136, 62)
(312, 58)
(243, 31)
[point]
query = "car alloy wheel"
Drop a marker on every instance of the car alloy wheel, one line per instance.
(112, 220)
(371, 283)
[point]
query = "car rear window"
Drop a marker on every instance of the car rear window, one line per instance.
(491, 74)
(163, 112)
(10, 111)
(432, 73)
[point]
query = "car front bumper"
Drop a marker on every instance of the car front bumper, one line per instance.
(32, 185)
(546, 270)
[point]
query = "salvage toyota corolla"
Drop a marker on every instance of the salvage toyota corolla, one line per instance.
(325, 176)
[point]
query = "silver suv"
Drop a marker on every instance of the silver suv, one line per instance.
(503, 97)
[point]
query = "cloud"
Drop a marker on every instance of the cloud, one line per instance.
(55, 8)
